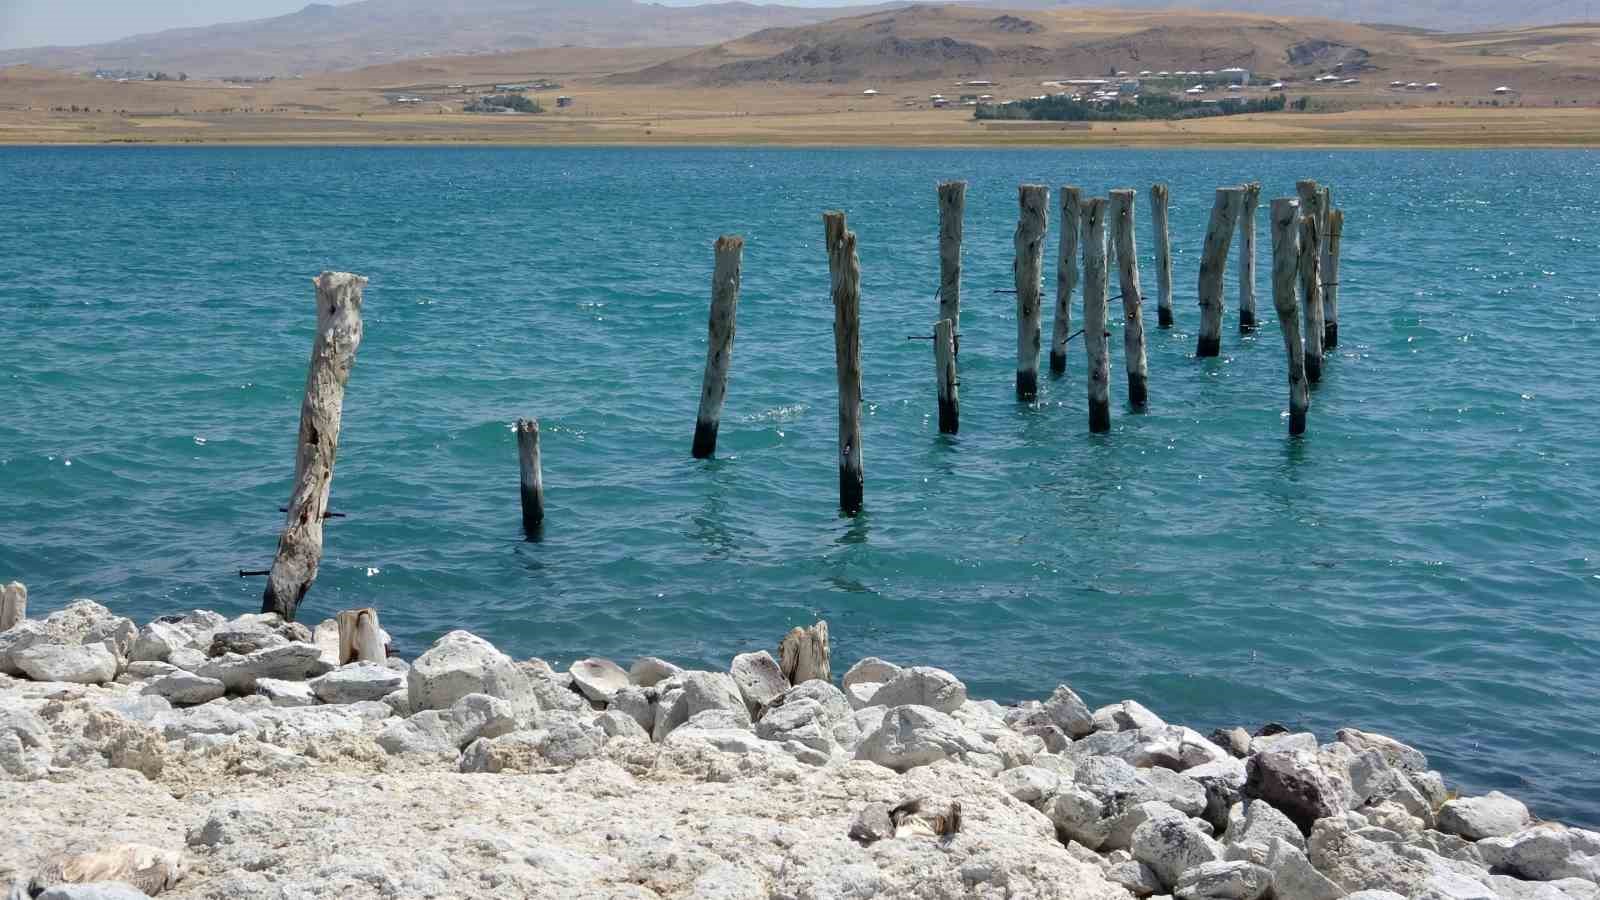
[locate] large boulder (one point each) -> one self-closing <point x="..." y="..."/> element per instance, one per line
<point x="25" y="744"/>
<point x="157" y="641"/>
<point x="598" y="679"/>
<point x="1545" y="853"/>
<point x="922" y="686"/>
<point x="461" y="663"/>
<point x="357" y="682"/>
<point x="1259" y="822"/>
<point x="1357" y="863"/>
<point x="1454" y="886"/>
<point x="186" y="688"/>
<point x="1067" y="711"/>
<point x="1293" y="875"/>
<point x="759" y="679"/>
<point x="1476" y="818"/>
<point x="288" y="661"/>
<point x="871" y="670"/>
<point x="74" y="663"/>
<point x="1170" y="747"/>
<point x="1224" y="880"/>
<point x="1401" y="756"/>
<point x="912" y="736"/>
<point x="1119" y="786"/>
<point x="704" y="691"/>
<point x="1296" y="785"/>
<point x="1171" y="847"/>
<point x="648" y="671"/>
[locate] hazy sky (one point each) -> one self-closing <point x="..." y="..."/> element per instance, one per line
<point x="32" y="23"/>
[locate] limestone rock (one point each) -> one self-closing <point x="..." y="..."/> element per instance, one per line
<point x="1401" y="756"/>
<point x="13" y="604"/>
<point x="1030" y="784"/>
<point x="1476" y="818"/>
<point x="1138" y="878"/>
<point x="1450" y="886"/>
<point x="1356" y="863"/>
<point x="1118" y="785"/>
<point x="72" y="663"/>
<point x="598" y="679"/>
<point x="647" y="671"/>
<point x="1295" y="785"/>
<point x="1080" y="816"/>
<point x="289" y="661"/>
<point x="356" y="682"/>
<point x="186" y="688"/>
<point x="923" y="686"/>
<point x="1172" y="747"/>
<point x="1171" y="847"/>
<point x="1067" y="711"/>
<point x="872" y="824"/>
<point x="1129" y="715"/>
<point x="1546" y="853"/>
<point x="25" y="745"/>
<point x="1119" y="827"/>
<point x="286" y="694"/>
<point x="861" y="693"/>
<point x="99" y="890"/>
<point x="871" y="670"/>
<point x="1234" y="740"/>
<point x="759" y="679"/>
<point x="552" y="689"/>
<point x="621" y="725"/>
<point x="912" y="736"/>
<point x="1260" y="822"/>
<point x="461" y="663"/>
<point x="1223" y="880"/>
<point x="1293" y="876"/>
<point x="636" y="703"/>
<point x="803" y="654"/>
<point x="25" y="634"/>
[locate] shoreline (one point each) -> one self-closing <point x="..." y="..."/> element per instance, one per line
<point x="256" y="758"/>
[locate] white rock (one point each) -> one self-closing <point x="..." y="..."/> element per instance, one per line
<point x="1294" y="876"/>
<point x="289" y="661"/>
<point x="156" y="641"/>
<point x="1450" y="886"/>
<point x="186" y="688"/>
<point x="1129" y="715"/>
<point x="1356" y="863"/>
<point x="1401" y="756"/>
<point x="1138" y="878"/>
<point x="1476" y="818"/>
<point x="1030" y="784"/>
<point x="72" y="663"/>
<point x="1067" y="711"/>
<point x="25" y="744"/>
<point x="1292" y="742"/>
<point x="1119" y="827"/>
<point x="1080" y="816"/>
<point x="912" y="736"/>
<point x="399" y="702"/>
<point x="759" y="679"/>
<point x="187" y="659"/>
<point x="207" y="719"/>
<point x="861" y="693"/>
<point x="713" y="690"/>
<point x="1546" y="853"/>
<point x="1118" y="784"/>
<point x="357" y="682"/>
<point x="1258" y="822"/>
<point x="98" y="890"/>
<point x="286" y="693"/>
<point x="1223" y="880"/>
<point x="636" y="703"/>
<point x="1374" y="895"/>
<point x="598" y="679"/>
<point x="923" y="686"/>
<point x="461" y="663"/>
<point x="1172" y="846"/>
<point x="870" y="670"/>
<point x="621" y="725"/>
<point x="146" y="671"/>
<point x="648" y="671"/>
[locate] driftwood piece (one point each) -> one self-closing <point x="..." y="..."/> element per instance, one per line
<point x="1285" y="265"/>
<point x="1093" y="222"/>
<point x="1066" y="278"/>
<point x="1158" y="223"/>
<point x="333" y="353"/>
<point x="360" y="637"/>
<point x="1033" y="202"/>
<point x="952" y="207"/>
<point x="844" y="268"/>
<point x="1133" y="350"/>
<point x="13" y="604"/>
<point x="803" y="654"/>
<point x="729" y="252"/>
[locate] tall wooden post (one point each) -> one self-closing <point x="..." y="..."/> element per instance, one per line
<point x="944" y="366"/>
<point x="333" y="353"/>
<point x="360" y="637"/>
<point x="1066" y="278"/>
<point x="1213" y="262"/>
<point x="729" y="252"/>
<point x="845" y="271"/>
<point x="1158" y="222"/>
<point x="1330" y="337"/>
<point x="1122" y="207"/>
<point x="1033" y="201"/>
<point x="1285" y="263"/>
<point x="952" y="206"/>
<point x="1094" y="314"/>
<point x="532" y="477"/>
<point x="1311" y="288"/>
<point x="1247" y="257"/>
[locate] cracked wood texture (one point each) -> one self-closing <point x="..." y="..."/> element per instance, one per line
<point x="952" y="206"/>
<point x="1033" y="202"/>
<point x="1093" y="221"/>
<point x="1285" y="265"/>
<point x="1158" y="223"/>
<point x="1066" y="278"/>
<point x="1123" y="203"/>
<point x="1311" y="290"/>
<point x="944" y="366"/>
<point x="333" y="353"/>
<point x="844" y="269"/>
<point x="1247" y="257"/>
<point x="729" y="252"/>
<point x="1213" y="263"/>
<point x="1330" y="273"/>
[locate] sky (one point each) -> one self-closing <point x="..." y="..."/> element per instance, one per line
<point x="34" y="23"/>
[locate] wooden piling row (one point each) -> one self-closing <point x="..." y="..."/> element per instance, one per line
<point x="952" y="207"/>
<point x="1247" y="257"/>
<point x="1033" y="201"/>
<point x="1158" y="223"/>
<point x="729" y="252"/>
<point x="1285" y="265"/>
<point x="1066" y="278"/>
<point x="1213" y="262"/>
<point x="844" y="269"/>
<point x="944" y="366"/>
<point x="333" y="353"/>
<point x="1122" y="207"/>
<point x="531" y="470"/>
<point x="1098" y="379"/>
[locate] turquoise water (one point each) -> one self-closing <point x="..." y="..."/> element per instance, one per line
<point x="1422" y="563"/>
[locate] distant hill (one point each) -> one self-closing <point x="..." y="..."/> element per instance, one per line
<point x="1438" y="15"/>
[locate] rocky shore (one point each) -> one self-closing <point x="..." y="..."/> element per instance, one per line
<point x="200" y="756"/>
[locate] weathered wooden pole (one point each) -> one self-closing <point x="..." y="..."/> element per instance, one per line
<point x="1247" y="257"/>
<point x="333" y="353"/>
<point x="13" y="604"/>
<point x="360" y="637"/>
<point x="532" y="477"/>
<point x="1094" y="314"/>
<point x="1330" y="300"/>
<point x="1122" y="207"/>
<point x="729" y="251"/>
<point x="944" y="366"/>
<point x="1311" y="195"/>
<point x="952" y="206"/>
<point x="1285" y="263"/>
<point x="845" y="271"/>
<point x="1311" y="289"/>
<point x="1158" y="222"/>
<point x="1213" y="262"/>
<point x="804" y="654"/>
<point x="1066" y="278"/>
<point x="1033" y="201"/>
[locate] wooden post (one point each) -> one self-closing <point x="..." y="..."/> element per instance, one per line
<point x="719" y="346"/>
<point x="1213" y="262"/>
<point x="333" y="353"/>
<point x="1330" y="337"/>
<point x="1247" y="257"/>
<point x="532" y="472"/>
<point x="1033" y="201"/>
<point x="1066" y="278"/>
<point x="845" y="271"/>
<point x="1122" y="214"/>
<point x="1311" y="289"/>
<point x="13" y="604"/>
<point x="804" y="654"/>
<point x="1158" y="222"/>
<point x="1285" y="263"/>
<point x="1094" y="314"/>
<point x="360" y="637"/>
<point x="952" y="206"/>
<point x="944" y="365"/>
<point x="1311" y="195"/>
